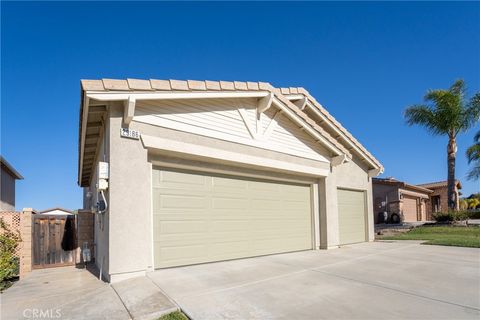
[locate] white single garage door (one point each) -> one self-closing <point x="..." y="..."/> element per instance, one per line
<point x="351" y="216"/>
<point x="201" y="217"/>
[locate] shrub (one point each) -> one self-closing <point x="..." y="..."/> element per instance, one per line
<point x="9" y="262"/>
<point x="473" y="214"/>
<point x="450" y="216"/>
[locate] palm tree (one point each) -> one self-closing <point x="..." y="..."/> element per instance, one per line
<point x="473" y="155"/>
<point x="447" y="113"/>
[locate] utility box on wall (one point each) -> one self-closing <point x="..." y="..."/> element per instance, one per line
<point x="102" y="175"/>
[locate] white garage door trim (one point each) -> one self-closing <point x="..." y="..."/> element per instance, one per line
<point x="365" y="217"/>
<point x="314" y="206"/>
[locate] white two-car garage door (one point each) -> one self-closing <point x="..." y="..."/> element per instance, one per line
<point x="201" y="217"/>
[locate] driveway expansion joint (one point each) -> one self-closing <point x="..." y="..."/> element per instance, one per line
<point x="394" y="289"/>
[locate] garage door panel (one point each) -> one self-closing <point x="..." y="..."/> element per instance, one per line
<point x="186" y="253"/>
<point x="229" y="203"/>
<point x="183" y="202"/>
<point x="410" y="208"/>
<point x="275" y="245"/>
<point x="226" y="218"/>
<point x="263" y="186"/>
<point x="295" y="205"/>
<point x="229" y="225"/>
<point x="228" y="185"/>
<point x="169" y="178"/>
<point x="263" y="205"/>
<point x="230" y="249"/>
<point x="179" y="227"/>
<point x="351" y="216"/>
<point x="213" y="236"/>
<point x="294" y="192"/>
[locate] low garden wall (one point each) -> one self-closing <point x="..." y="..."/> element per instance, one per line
<point x="20" y="223"/>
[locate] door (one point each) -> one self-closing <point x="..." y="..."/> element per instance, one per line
<point x="410" y="208"/>
<point x="53" y="240"/>
<point x="200" y="217"/>
<point x="351" y="216"/>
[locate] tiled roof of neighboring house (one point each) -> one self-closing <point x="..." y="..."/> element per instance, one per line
<point x="10" y="168"/>
<point x="154" y="85"/>
<point x="439" y="184"/>
<point x="393" y="181"/>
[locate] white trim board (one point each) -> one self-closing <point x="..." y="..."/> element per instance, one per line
<point x="119" y="96"/>
<point x="157" y="143"/>
<point x="308" y="153"/>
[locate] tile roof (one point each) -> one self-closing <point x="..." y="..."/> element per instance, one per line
<point x="439" y="184"/>
<point x="171" y="85"/>
<point x="393" y="181"/>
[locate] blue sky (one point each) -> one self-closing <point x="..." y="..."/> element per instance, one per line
<point x="365" y="62"/>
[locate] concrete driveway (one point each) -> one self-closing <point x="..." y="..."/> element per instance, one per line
<point x="76" y="294"/>
<point x="381" y="280"/>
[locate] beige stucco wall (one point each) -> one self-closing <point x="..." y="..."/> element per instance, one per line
<point x="7" y="191"/>
<point x="126" y="240"/>
<point x="130" y="202"/>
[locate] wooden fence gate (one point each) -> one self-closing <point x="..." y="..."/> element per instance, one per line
<point x="54" y="240"/>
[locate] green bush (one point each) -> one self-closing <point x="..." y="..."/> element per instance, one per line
<point x="9" y="262"/>
<point x="473" y="214"/>
<point x="450" y="216"/>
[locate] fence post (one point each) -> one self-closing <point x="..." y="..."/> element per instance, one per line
<point x="26" y="244"/>
<point x="85" y="232"/>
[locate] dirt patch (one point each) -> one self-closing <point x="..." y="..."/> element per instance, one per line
<point x="390" y="232"/>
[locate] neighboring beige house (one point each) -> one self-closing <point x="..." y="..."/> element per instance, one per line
<point x="439" y="198"/>
<point x="403" y="202"/>
<point x="186" y="172"/>
<point x="8" y="176"/>
<point x="56" y="211"/>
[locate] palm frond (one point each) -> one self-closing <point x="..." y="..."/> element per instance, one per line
<point x="435" y="96"/>
<point x="474" y="173"/>
<point x="423" y="115"/>
<point x="471" y="114"/>
<point x="446" y="112"/>
<point x="447" y="108"/>
<point x="458" y="88"/>
<point x="473" y="153"/>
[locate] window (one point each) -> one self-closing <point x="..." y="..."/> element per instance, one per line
<point x="435" y="203"/>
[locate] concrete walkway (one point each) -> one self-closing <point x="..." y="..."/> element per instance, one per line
<point x="70" y="293"/>
<point x="381" y="280"/>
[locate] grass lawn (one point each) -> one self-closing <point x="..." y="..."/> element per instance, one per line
<point x="443" y="236"/>
<point x="177" y="315"/>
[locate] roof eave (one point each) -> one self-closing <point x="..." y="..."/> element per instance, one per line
<point x="347" y="136"/>
<point x="11" y="169"/>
